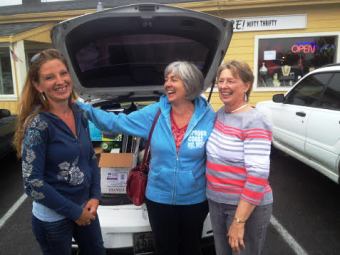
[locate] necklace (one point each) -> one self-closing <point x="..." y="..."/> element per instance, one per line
<point x="241" y="107"/>
<point x="285" y="70"/>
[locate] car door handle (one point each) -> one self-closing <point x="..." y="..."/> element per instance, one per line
<point x="301" y="114"/>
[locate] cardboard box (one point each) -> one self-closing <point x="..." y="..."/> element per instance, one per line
<point x="114" y="169"/>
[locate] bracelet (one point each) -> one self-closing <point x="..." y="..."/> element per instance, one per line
<point x="238" y="220"/>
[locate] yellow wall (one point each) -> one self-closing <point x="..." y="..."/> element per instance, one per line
<point x="319" y="19"/>
<point x="12" y="106"/>
<point x="242" y="46"/>
<point x="41" y="35"/>
<point x="215" y="101"/>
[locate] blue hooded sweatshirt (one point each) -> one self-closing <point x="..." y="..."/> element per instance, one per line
<point x="59" y="169"/>
<point x="175" y="177"/>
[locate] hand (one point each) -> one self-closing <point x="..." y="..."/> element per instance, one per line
<point x="236" y="234"/>
<point x="85" y="218"/>
<point x="92" y="206"/>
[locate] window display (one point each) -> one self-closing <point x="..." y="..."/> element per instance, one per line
<point x="6" y="82"/>
<point x="283" y="61"/>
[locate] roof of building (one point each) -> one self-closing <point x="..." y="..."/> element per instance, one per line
<point x="12" y="29"/>
<point x="76" y="5"/>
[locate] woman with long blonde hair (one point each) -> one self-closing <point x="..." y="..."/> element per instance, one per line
<point x="31" y="101"/>
<point x="59" y="167"/>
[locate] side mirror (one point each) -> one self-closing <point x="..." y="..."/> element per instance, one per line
<point x="278" y="98"/>
<point x="4" y="113"/>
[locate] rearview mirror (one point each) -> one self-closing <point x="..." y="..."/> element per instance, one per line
<point x="278" y="98"/>
<point x="4" y="113"/>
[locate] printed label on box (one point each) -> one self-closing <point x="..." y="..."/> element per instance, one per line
<point x="113" y="180"/>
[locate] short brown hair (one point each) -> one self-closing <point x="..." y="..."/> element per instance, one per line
<point x="238" y="69"/>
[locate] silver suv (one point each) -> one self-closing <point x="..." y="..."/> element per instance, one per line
<point x="306" y="120"/>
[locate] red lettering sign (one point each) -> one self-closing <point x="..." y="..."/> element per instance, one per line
<point x="305" y="48"/>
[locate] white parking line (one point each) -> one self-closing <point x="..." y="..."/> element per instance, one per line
<point x="287" y="237"/>
<point x="12" y="210"/>
<point x="278" y="227"/>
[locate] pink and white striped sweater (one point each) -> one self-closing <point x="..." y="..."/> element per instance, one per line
<point x="238" y="158"/>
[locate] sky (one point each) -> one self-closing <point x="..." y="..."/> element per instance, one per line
<point x="9" y="2"/>
<point x="16" y="2"/>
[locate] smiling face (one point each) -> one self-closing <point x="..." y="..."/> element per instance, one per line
<point x="231" y="89"/>
<point x="54" y="81"/>
<point x="174" y="88"/>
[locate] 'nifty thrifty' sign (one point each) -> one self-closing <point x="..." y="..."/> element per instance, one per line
<point x="297" y="21"/>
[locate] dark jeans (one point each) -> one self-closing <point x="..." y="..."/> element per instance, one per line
<point x="177" y="229"/>
<point x="55" y="238"/>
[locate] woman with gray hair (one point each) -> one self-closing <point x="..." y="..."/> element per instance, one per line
<point x="175" y="194"/>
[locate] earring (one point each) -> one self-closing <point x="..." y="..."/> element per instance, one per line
<point x="245" y="97"/>
<point x="43" y="97"/>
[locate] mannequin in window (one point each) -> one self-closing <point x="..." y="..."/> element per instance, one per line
<point x="276" y="82"/>
<point x="263" y="74"/>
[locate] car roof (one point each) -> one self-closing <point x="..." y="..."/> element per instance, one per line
<point x="122" y="52"/>
<point x="327" y="68"/>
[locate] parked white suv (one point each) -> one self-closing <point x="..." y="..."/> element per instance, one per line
<point x="306" y="120"/>
<point x="119" y="55"/>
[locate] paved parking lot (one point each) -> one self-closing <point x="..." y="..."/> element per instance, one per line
<point x="305" y="217"/>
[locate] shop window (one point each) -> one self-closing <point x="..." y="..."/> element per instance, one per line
<point x="6" y="82"/>
<point x="283" y="61"/>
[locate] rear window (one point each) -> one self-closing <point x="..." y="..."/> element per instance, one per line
<point x="115" y="54"/>
<point x="134" y="60"/>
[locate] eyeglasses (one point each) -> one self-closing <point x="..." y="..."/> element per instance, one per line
<point x="228" y="82"/>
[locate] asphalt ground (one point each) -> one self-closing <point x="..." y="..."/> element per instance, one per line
<point x="306" y="213"/>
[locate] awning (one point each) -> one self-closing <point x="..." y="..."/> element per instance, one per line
<point x="31" y="31"/>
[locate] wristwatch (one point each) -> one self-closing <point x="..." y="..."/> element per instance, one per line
<point x="238" y="220"/>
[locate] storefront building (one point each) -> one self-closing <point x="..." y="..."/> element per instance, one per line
<point x="281" y="40"/>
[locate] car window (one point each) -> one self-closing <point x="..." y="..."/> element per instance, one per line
<point x="309" y="90"/>
<point x="331" y="97"/>
<point x="134" y="60"/>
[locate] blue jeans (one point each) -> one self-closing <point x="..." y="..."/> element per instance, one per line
<point x="55" y="238"/>
<point x="222" y="215"/>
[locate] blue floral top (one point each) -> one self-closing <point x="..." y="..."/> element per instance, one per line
<point x="60" y="169"/>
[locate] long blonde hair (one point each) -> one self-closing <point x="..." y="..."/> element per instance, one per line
<point x="31" y="101"/>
